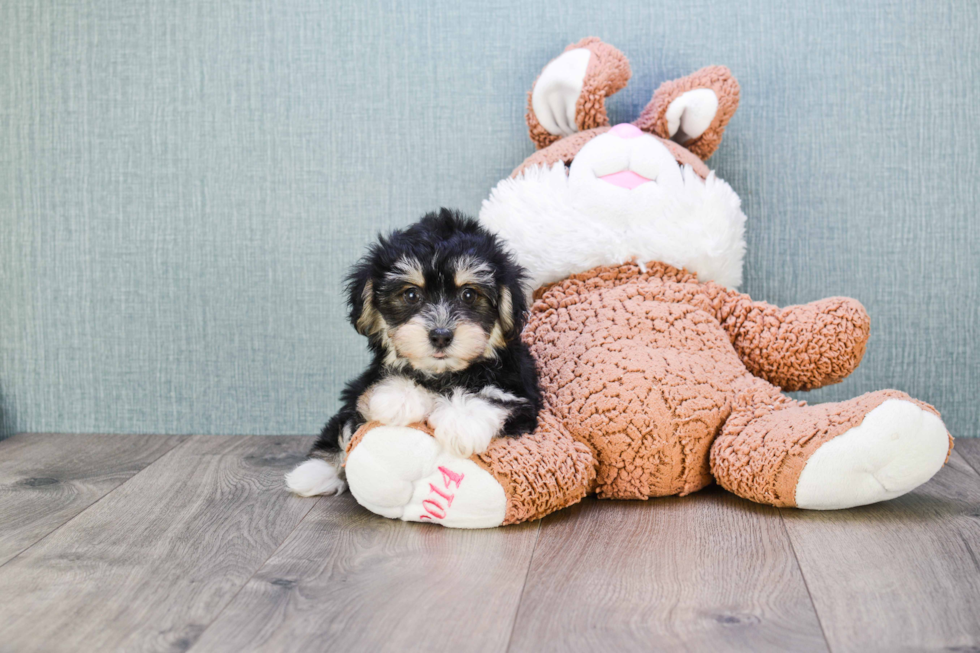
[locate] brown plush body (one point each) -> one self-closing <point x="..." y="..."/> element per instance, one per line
<point x="656" y="374"/>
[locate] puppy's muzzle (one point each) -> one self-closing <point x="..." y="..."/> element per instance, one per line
<point x="441" y="337"/>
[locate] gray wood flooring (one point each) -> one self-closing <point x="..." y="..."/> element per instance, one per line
<point x="163" y="543"/>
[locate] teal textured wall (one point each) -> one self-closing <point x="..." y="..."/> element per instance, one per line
<point x="182" y="184"/>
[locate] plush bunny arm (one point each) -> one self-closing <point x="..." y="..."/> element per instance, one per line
<point x="797" y="347"/>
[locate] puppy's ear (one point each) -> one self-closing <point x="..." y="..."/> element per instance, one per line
<point x="512" y="307"/>
<point x="364" y="314"/>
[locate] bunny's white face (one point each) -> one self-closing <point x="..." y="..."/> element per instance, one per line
<point x="623" y="197"/>
<point x="627" y="158"/>
<point x="593" y="196"/>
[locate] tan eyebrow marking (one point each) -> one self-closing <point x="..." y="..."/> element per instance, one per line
<point x="471" y="270"/>
<point x="407" y="270"/>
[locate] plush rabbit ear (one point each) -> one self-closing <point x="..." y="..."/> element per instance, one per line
<point x="693" y="110"/>
<point x="570" y="94"/>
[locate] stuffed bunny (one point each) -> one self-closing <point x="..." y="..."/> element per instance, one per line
<point x="658" y="377"/>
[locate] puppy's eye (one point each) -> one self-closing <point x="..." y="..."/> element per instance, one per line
<point x="468" y="295"/>
<point x="412" y="296"/>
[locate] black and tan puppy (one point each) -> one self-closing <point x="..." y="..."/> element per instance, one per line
<point x="442" y="306"/>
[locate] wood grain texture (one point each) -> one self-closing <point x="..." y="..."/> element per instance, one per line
<point x="969" y="449"/>
<point x="899" y="575"/>
<point x="707" y="572"/>
<point x="347" y="580"/>
<point x="153" y="563"/>
<point x="204" y="550"/>
<point x="47" y="479"/>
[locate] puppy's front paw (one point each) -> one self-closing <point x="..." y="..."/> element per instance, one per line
<point x="464" y="424"/>
<point x="314" y="477"/>
<point x="398" y="402"/>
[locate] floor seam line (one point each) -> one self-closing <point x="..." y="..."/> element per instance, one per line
<point x="257" y="570"/>
<point x="96" y="502"/>
<point x="806" y="585"/>
<point x="520" y="599"/>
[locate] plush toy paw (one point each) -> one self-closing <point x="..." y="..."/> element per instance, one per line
<point x="897" y="447"/>
<point x="403" y="473"/>
<point x="398" y="401"/>
<point x="464" y="424"/>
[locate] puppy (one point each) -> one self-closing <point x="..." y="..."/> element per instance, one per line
<point x="443" y="307"/>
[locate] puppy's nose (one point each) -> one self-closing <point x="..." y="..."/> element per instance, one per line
<point x="440" y="338"/>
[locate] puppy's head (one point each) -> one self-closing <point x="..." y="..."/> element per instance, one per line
<point x="438" y="295"/>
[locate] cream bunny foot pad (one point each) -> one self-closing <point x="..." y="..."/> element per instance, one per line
<point x="896" y="448"/>
<point x="403" y="473"/>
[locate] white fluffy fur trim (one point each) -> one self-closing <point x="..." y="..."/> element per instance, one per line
<point x="557" y="228"/>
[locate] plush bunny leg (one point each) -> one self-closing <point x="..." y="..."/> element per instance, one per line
<point x="404" y="473"/>
<point x="540" y="472"/>
<point x="839" y="455"/>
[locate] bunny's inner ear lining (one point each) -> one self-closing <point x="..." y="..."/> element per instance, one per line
<point x="557" y="90"/>
<point x="691" y="114"/>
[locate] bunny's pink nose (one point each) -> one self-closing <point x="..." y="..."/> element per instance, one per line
<point x="626" y="130"/>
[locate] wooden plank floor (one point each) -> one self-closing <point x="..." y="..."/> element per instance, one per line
<point x="152" y="543"/>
